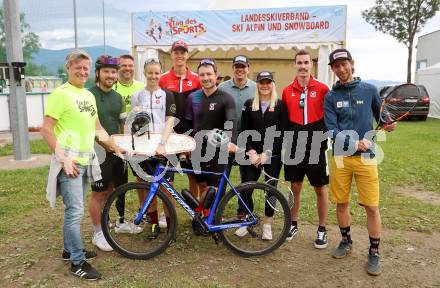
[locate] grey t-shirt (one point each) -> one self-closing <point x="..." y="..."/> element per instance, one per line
<point x="239" y="95"/>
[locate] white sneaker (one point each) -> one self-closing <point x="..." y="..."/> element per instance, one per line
<point x="99" y="241"/>
<point x="241" y="232"/>
<point x="267" y="232"/>
<point x="126" y="227"/>
<point x="162" y="221"/>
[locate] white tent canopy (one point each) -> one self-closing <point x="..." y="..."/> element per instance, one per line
<point x="430" y="78"/>
<point x="324" y="73"/>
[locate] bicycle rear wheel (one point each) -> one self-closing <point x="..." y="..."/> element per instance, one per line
<point x="141" y="241"/>
<point x="268" y="206"/>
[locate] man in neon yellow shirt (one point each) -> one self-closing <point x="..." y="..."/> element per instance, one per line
<point x="126" y="85"/>
<point x="69" y="128"/>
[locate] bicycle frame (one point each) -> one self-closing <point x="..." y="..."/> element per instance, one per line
<point x="159" y="170"/>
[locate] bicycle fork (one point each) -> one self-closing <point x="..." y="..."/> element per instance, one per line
<point x="153" y="190"/>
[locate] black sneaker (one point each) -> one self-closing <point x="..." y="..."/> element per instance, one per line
<point x="85" y="270"/>
<point x="343" y="249"/>
<point x="321" y="240"/>
<point x="88" y="254"/>
<point x="292" y="232"/>
<point x="154" y="231"/>
<point x="373" y="264"/>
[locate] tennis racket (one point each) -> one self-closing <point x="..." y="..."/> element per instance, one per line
<point x="398" y="104"/>
<point x="283" y="187"/>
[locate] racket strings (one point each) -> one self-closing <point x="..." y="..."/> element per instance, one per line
<point x="400" y="102"/>
<point x="271" y="199"/>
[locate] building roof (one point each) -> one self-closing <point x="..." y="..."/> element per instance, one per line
<point x="428" y="34"/>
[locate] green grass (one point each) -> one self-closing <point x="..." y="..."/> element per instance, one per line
<point x="411" y="157"/>
<point x="37" y="147"/>
<point x="21" y="193"/>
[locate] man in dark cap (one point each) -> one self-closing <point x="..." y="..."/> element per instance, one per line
<point x="349" y="110"/>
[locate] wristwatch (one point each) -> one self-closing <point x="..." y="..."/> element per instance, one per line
<point x="163" y="142"/>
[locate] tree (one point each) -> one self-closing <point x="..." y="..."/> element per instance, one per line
<point x="61" y="72"/>
<point x="33" y="69"/>
<point x="31" y="43"/>
<point x="401" y="19"/>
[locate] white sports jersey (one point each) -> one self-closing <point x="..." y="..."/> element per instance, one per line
<point x="158" y="104"/>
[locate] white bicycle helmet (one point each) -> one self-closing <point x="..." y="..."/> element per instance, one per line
<point x="217" y="137"/>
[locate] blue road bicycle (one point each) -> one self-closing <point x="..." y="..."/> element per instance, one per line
<point x="268" y="207"/>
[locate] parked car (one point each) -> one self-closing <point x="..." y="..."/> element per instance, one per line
<point x="406" y="95"/>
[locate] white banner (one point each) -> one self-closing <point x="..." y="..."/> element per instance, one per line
<point x="230" y="27"/>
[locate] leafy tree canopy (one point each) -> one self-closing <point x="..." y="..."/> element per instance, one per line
<point x="31" y="45"/>
<point x="401" y="19"/>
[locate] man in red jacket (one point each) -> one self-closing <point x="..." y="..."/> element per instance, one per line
<point x="304" y="99"/>
<point x="181" y="81"/>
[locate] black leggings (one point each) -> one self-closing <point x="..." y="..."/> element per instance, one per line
<point x="251" y="173"/>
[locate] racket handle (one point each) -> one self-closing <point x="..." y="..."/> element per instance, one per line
<point x="183" y="158"/>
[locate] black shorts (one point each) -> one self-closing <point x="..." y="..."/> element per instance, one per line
<point x="317" y="173"/>
<point x="112" y="171"/>
<point x="186" y="165"/>
<point x="149" y="165"/>
<point x="211" y="180"/>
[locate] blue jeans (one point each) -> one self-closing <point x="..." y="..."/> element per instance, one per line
<point x="73" y="191"/>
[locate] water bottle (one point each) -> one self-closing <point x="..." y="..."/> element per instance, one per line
<point x="190" y="199"/>
<point x="209" y="198"/>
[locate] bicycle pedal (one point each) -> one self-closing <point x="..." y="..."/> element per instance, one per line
<point x="215" y="237"/>
<point x="252" y="232"/>
<point x="199" y="227"/>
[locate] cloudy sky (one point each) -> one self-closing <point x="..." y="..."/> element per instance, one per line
<point x="378" y="56"/>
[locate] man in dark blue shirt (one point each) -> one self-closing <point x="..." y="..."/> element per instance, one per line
<point x="349" y="109"/>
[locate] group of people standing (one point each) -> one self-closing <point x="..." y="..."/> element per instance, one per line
<point x="179" y="100"/>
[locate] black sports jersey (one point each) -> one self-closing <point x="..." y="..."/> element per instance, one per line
<point x="215" y="110"/>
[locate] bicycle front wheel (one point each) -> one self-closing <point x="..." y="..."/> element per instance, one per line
<point x="266" y="206"/>
<point x="141" y="241"/>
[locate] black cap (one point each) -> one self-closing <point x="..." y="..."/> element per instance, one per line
<point x="339" y="54"/>
<point x="240" y="59"/>
<point x="264" y="75"/>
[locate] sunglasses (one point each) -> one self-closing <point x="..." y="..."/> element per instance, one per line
<point x="152" y="61"/>
<point x="302" y="99"/>
<point x="207" y="61"/>
<point x="108" y="60"/>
